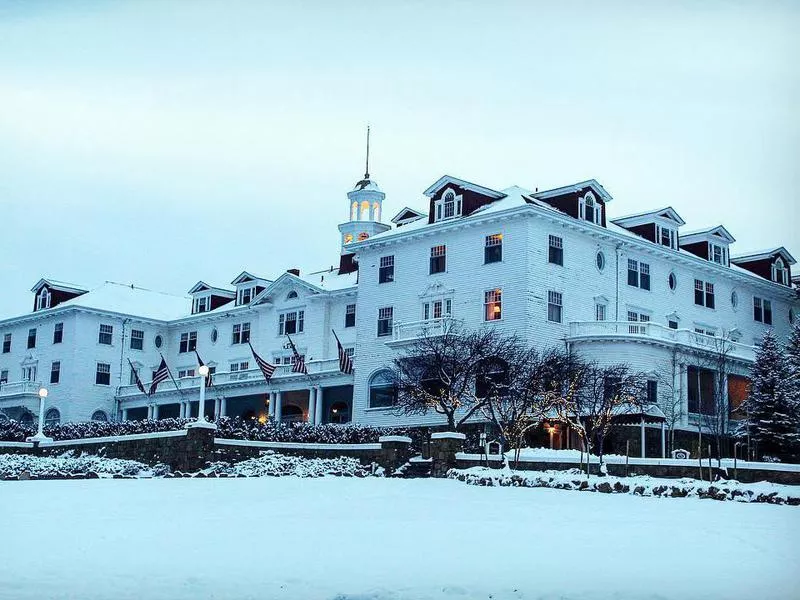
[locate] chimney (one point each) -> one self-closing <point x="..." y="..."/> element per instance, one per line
<point x="295" y="272"/>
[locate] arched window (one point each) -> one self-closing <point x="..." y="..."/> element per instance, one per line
<point x="339" y="413"/>
<point x="354" y="211"/>
<point x="376" y="211"/>
<point x="43" y="300"/>
<point x="492" y="378"/>
<point x="779" y="272"/>
<point x="26" y="418"/>
<point x="291" y="295"/>
<point x="364" y="211"/>
<point x="589" y="209"/>
<point x="99" y="415"/>
<point x="52" y="417"/>
<point x="291" y="413"/>
<point x="382" y="391"/>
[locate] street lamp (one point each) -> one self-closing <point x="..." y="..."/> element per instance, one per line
<point x="40" y="436"/>
<point x="201" y="417"/>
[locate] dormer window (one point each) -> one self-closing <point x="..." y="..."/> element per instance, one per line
<point x="718" y="254"/>
<point x="780" y="273"/>
<point x="590" y="210"/>
<point x="201" y="304"/>
<point x="43" y="299"/>
<point x="667" y="237"/>
<point x="245" y="295"/>
<point x="449" y="206"/>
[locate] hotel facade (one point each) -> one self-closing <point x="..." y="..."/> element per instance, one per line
<point x="555" y="267"/>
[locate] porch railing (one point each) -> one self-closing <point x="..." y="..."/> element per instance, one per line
<point x="19" y="388"/>
<point x="411" y="330"/>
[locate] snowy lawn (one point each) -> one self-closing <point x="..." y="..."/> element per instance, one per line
<point x="368" y="539"/>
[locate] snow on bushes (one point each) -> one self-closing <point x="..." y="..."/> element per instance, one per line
<point x="642" y="485"/>
<point x="72" y="464"/>
<point x="233" y="428"/>
<point x="273" y="464"/>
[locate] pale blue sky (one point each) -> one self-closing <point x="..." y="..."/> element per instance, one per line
<point x="159" y="143"/>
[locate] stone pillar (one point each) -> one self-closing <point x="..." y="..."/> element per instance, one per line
<point x="312" y="405"/>
<point x="444" y="447"/>
<point x="318" y="406"/>
<point x="278" y="407"/>
<point x="395" y="451"/>
<point x="199" y="447"/>
<point x="223" y="407"/>
<point x="155" y="412"/>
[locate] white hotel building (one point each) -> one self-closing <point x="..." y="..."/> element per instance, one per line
<point x="553" y="266"/>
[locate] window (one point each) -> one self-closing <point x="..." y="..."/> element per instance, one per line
<point x="590" y="210"/>
<point x="492" y="378"/>
<point x="55" y="372"/>
<point x="134" y="373"/>
<point x="437" y="309"/>
<point x="700" y="390"/>
<point x="291" y="322"/>
<point x="638" y="274"/>
<point x="3" y="376"/>
<point x="52" y="417"/>
<point x="637" y="317"/>
<point x="6" y="343"/>
<point x="29" y="373"/>
<point x="238" y="369"/>
<point x="158" y="341"/>
<point x="762" y="310"/>
<point x="103" y="374"/>
<point x="245" y="295"/>
<point x="99" y="415"/>
<point x="106" y="332"/>
<point x="291" y="295"/>
<point x="652" y="391"/>
<point x="717" y="254"/>
<point x="780" y="273"/>
<point x="703" y="293"/>
<point x="600" y="261"/>
<point x="32" y="338"/>
<point x="350" y="315"/>
<point x="612" y="387"/>
<point x="448" y="206"/>
<point x="43" y="299"/>
<point x="599" y="312"/>
<point x="382" y="391"/>
<point x="555" y="251"/>
<point x="202" y="304"/>
<point x="241" y="333"/>
<point x="672" y="280"/>
<point x="386" y="269"/>
<point x="188" y="342"/>
<point x="493" y="249"/>
<point x="493" y="305"/>
<point x="58" y="333"/>
<point x="734" y="299"/>
<point x="385" y="321"/>
<point x="665" y="236"/>
<point x="705" y="331"/>
<point x="182" y="373"/>
<point x="214" y="335"/>
<point x="137" y="339"/>
<point x="554" y="307"/>
<point x="438" y="259"/>
<point x="672" y="324"/>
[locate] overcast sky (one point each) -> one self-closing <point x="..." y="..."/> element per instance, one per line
<point x="159" y="143"/>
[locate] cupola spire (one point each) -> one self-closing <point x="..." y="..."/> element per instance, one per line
<point x="366" y="170"/>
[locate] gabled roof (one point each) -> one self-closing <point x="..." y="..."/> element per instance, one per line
<point x="668" y="213"/>
<point x="202" y="286"/>
<point x="764" y="254"/>
<point x="446" y="180"/>
<point x="61" y="286"/>
<point x="244" y="277"/>
<point x="282" y="281"/>
<point x="714" y="233"/>
<point x="407" y="215"/>
<point x="575" y="187"/>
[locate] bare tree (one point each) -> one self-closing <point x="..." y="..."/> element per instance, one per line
<point x="669" y="398"/>
<point x="438" y="372"/>
<point x="714" y="409"/>
<point x="521" y="390"/>
<point x="602" y="395"/>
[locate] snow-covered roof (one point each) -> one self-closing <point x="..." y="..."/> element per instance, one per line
<point x="407" y="215"/>
<point x="244" y="276"/>
<point x="576" y="187"/>
<point x="667" y="212"/>
<point x="763" y="254"/>
<point x="55" y="284"/>
<point x="446" y="180"/>
<point x="331" y="280"/>
<point x="367" y="184"/>
<point x="201" y="286"/>
<point x="706" y="234"/>
<point x="131" y="300"/>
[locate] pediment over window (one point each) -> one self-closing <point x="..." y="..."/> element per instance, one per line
<point x="451" y="198"/>
<point x="406" y="216"/>
<point x="658" y="226"/>
<point x="207" y="297"/>
<point x="436" y="289"/>
<point x="585" y="200"/>
<point x="49" y="293"/>
<point x="711" y="244"/>
<point x="774" y="265"/>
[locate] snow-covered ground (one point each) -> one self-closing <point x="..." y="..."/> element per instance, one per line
<point x="292" y="538"/>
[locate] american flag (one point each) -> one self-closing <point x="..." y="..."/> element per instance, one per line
<point x="209" y="377"/>
<point x="345" y="362"/>
<point x="139" y="383"/>
<point x="266" y="368"/>
<point x="299" y="363"/>
<point x="160" y="375"/>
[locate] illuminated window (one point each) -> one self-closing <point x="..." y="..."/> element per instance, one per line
<point x="348" y="237"/>
<point x="362" y="236"/>
<point x="493" y="250"/>
<point x="493" y="305"/>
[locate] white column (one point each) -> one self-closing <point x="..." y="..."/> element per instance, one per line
<point x="272" y="405"/>
<point x="216" y="408"/>
<point x="223" y="407"/>
<point x="318" y="406"/>
<point x="663" y="441"/>
<point x="642" y="427"/>
<point x="312" y="404"/>
<point x="278" y="407"/>
<point x="155" y="412"/>
<point x="124" y="414"/>
<point x="149" y="412"/>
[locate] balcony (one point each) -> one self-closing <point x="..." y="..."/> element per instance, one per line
<point x="653" y="332"/>
<point x="229" y="379"/>
<point x="412" y="330"/>
<point x="19" y="389"/>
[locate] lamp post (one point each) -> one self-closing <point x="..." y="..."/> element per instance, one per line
<point x="201" y="417"/>
<point x="40" y="436"/>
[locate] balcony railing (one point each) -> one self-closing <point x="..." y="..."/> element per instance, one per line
<point x="19" y="388"/>
<point x="412" y="330"/>
<point x="227" y="378"/>
<point x="654" y="331"/>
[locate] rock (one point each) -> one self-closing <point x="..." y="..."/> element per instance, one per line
<point x="604" y="487"/>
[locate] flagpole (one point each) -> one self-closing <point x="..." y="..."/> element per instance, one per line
<point x="141" y="389"/>
<point x="169" y="372"/>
